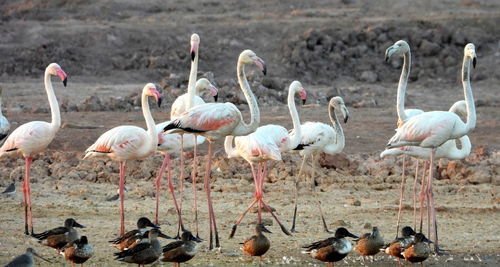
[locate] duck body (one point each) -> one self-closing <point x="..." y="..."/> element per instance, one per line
<point x="418" y="250"/>
<point x="142" y="253"/>
<point x="131" y="238"/>
<point x="258" y="244"/>
<point x="370" y="243"/>
<point x="180" y="251"/>
<point x="396" y="247"/>
<point x="332" y="249"/>
<point x="79" y="251"/>
<point x="59" y="237"/>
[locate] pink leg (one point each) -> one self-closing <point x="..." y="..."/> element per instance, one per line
<point x="422" y="195"/>
<point x="121" y="192"/>
<point x="193" y="180"/>
<point x="417" y="163"/>
<point x="181" y="190"/>
<point x="172" y="191"/>
<point x="432" y="206"/>
<point x="28" y="216"/>
<point x="297" y="194"/>
<point x="401" y="195"/>
<point x="209" y="198"/>
<point x="165" y="163"/>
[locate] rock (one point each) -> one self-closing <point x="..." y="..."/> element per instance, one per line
<point x="428" y="48"/>
<point x="91" y="103"/>
<point x="367" y="226"/>
<point x="336" y="161"/>
<point x="368" y="76"/>
<point x="340" y="223"/>
<point x="356" y="203"/>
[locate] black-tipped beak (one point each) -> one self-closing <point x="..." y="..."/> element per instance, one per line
<point x="352" y="235"/>
<point x="159" y="101"/>
<point x="216" y="97"/>
<point x="162" y="235"/>
<point x="264" y="229"/>
<point x="304" y="101"/>
<point x="65" y="81"/>
<point x="474" y="62"/>
<point x="264" y="70"/>
<point x="346" y="118"/>
<point x="78" y="225"/>
<point x="386" y="58"/>
<point x="193" y="55"/>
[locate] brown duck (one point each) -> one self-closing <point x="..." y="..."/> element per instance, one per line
<point x="130" y="238"/>
<point x="258" y="244"/>
<point x="144" y="253"/>
<point x="332" y="249"/>
<point x="396" y="247"/>
<point x="370" y="243"/>
<point x="58" y="237"/>
<point x="180" y="251"/>
<point x="78" y="251"/>
<point x="418" y="250"/>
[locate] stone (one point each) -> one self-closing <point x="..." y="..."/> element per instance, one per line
<point x="428" y="48"/>
<point x="368" y="76"/>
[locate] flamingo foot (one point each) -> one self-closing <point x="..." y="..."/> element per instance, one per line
<point x="233" y="231"/>
<point x="440" y="252"/>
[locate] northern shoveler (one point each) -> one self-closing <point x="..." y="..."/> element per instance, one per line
<point x="58" y="237"/>
<point x="130" y="238"/>
<point x="180" y="251"/>
<point x="396" y="247"/>
<point x="78" y="251"/>
<point x="370" y="243"/>
<point x="418" y="250"/>
<point x="26" y="259"/>
<point x="143" y="253"/>
<point x="332" y="249"/>
<point x="258" y="244"/>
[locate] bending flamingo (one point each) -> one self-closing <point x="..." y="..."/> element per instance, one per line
<point x="266" y="143"/>
<point x="33" y="137"/>
<point x="4" y="123"/>
<point x="319" y="138"/>
<point x="432" y="129"/>
<point x="218" y="120"/>
<point x="127" y="142"/>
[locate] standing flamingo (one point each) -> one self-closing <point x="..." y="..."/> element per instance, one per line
<point x="127" y="142"/>
<point x="33" y="137"/>
<point x="173" y="143"/>
<point x="319" y="138"/>
<point x="266" y="143"/>
<point x="217" y="120"/>
<point x="4" y="123"/>
<point x="432" y="129"/>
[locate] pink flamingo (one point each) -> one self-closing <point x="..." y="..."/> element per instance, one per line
<point x="217" y="120"/>
<point x="33" y="137"/>
<point x="4" y="123"/>
<point x="266" y="143"/>
<point x="432" y="129"/>
<point x="317" y="138"/>
<point x="127" y="142"/>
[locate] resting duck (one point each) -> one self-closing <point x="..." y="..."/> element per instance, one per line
<point x="396" y="247"/>
<point x="143" y="253"/>
<point x="130" y="238"/>
<point x="370" y="243"/>
<point x="258" y="244"/>
<point x="418" y="250"/>
<point x="58" y="237"/>
<point x="180" y="251"/>
<point x="78" y="251"/>
<point x="332" y="249"/>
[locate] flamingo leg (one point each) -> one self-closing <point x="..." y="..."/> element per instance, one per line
<point x="122" y="196"/>
<point x="193" y="182"/>
<point x="180" y="225"/>
<point x="165" y="163"/>
<point x="304" y="159"/>
<point x="209" y="198"/>
<point x="259" y="192"/>
<point x="422" y="196"/>
<point x="28" y="215"/>
<point x="432" y="206"/>
<point x="401" y="195"/>
<point x="264" y="173"/>
<point x="417" y="163"/>
<point x="314" y="162"/>
<point x="172" y="191"/>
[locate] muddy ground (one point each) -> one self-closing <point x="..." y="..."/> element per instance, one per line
<point x="110" y="49"/>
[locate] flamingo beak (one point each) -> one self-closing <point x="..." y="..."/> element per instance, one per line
<point x="214" y="91"/>
<point x="194" y="48"/>
<point x="261" y="65"/>
<point x="345" y="112"/>
<point x="388" y="53"/>
<point x="62" y="75"/>
<point x="303" y="96"/>
<point x="474" y="60"/>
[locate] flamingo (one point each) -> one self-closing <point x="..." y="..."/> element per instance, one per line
<point x="217" y="120"/>
<point x="34" y="137"/>
<point x="434" y="128"/>
<point x="266" y="143"/>
<point x="173" y="143"/>
<point x="447" y="150"/>
<point x="319" y="138"/>
<point x="4" y="123"/>
<point x="127" y="142"/>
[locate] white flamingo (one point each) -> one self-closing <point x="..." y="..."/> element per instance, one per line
<point x="4" y="123"/>
<point x="266" y="143"/>
<point x="432" y="129"/>
<point x="218" y="120"/>
<point x="317" y="138"/>
<point x="34" y="137"/>
<point x="128" y="142"/>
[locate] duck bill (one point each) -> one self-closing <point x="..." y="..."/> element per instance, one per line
<point x="78" y="225"/>
<point x="35" y="254"/>
<point x="150" y="224"/>
<point x="162" y="235"/>
<point x="264" y="229"/>
<point x="352" y="235"/>
<point x="426" y="240"/>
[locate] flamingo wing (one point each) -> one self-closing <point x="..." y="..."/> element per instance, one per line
<point x="206" y="117"/>
<point x="29" y="138"/>
<point x="122" y="140"/>
<point x="315" y="135"/>
<point x="180" y="105"/>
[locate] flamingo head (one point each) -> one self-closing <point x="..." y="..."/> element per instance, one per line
<point x="195" y="42"/>
<point x="150" y="90"/>
<point x="399" y="47"/>
<point x="296" y="86"/>
<point x="55" y="69"/>
<point x="205" y="84"/>
<point x="470" y="52"/>
<point x="249" y="57"/>
<point x="338" y="102"/>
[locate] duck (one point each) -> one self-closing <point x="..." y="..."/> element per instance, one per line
<point x="418" y="250"/>
<point x="258" y="244"/>
<point x="370" y="244"/>
<point x="143" y="253"/>
<point x="26" y="259"/>
<point x="78" y="251"/>
<point x="58" y="237"/>
<point x="332" y="249"/>
<point x="396" y="247"/>
<point x="180" y="251"/>
<point x="131" y="237"/>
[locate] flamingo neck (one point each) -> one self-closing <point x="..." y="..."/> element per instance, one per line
<point x="464" y="150"/>
<point x="403" y="81"/>
<point x="243" y="128"/>
<point x="150" y="124"/>
<point x="192" y="80"/>
<point x="296" y="138"/>
<point x="469" y="98"/>
<point x="228" y="146"/>
<point x="337" y="127"/>
<point x="54" y="105"/>
<point x="1" y="102"/>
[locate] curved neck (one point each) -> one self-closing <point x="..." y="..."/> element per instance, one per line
<point x="463" y="151"/>
<point x="469" y="99"/>
<point x="337" y="127"/>
<point x="54" y="106"/>
<point x="150" y="123"/>
<point x="403" y="81"/>
<point x="228" y="146"/>
<point x="296" y="138"/>
<point x="192" y="80"/>
<point x="243" y="128"/>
